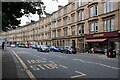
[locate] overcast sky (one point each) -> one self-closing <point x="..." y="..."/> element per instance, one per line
<point x="51" y="6"/>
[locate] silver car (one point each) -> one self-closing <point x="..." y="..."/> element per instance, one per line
<point x="43" y="48"/>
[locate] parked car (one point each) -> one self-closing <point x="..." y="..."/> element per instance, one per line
<point x="69" y="50"/>
<point x="26" y="46"/>
<point x="55" y="49"/>
<point x="21" y="45"/>
<point x="97" y="50"/>
<point x="34" y="46"/>
<point x="43" y="48"/>
<point x="13" y="45"/>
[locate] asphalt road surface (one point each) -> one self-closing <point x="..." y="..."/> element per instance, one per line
<point x="59" y="65"/>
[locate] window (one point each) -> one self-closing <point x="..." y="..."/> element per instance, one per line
<point x="73" y="30"/>
<point x="65" y="21"/>
<point x="80" y="29"/>
<point x="80" y="15"/>
<point x="105" y="25"/>
<point x="105" y="10"/>
<point x="80" y="3"/>
<point x="73" y="6"/>
<point x="94" y="27"/>
<point x="67" y="42"/>
<point x="112" y="24"/>
<point x="73" y="18"/>
<point x="65" y="31"/>
<point x="59" y="13"/>
<point x="96" y="10"/>
<point x="54" y="34"/>
<point x="108" y="25"/>
<point x="65" y="10"/>
<point x="93" y="10"/>
<point x="108" y="6"/>
<point x="59" y="33"/>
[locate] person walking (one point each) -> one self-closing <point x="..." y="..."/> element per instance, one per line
<point x="3" y="45"/>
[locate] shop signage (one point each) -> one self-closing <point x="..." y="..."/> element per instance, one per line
<point x="98" y="35"/>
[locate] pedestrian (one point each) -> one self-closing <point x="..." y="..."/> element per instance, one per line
<point x="3" y="44"/>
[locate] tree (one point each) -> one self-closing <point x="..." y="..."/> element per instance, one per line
<point x="13" y="10"/>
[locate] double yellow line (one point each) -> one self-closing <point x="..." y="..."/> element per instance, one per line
<point x="29" y="73"/>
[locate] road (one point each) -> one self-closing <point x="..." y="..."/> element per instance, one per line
<point x="59" y="65"/>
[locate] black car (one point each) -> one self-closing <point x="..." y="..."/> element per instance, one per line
<point x="43" y="48"/>
<point x="69" y="50"/>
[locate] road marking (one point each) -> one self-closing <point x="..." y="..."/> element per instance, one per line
<point x="25" y="67"/>
<point x="63" y="66"/>
<point x="52" y="62"/>
<point x="59" y="56"/>
<point x="29" y="61"/>
<point x="80" y="74"/>
<point x="34" y="68"/>
<point x="33" y="61"/>
<point x="48" y="66"/>
<point x="95" y="63"/>
<point x="41" y="67"/>
<point x="44" y="59"/>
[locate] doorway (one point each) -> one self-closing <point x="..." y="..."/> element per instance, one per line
<point x="73" y="43"/>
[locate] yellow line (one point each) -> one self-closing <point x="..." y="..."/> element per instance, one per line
<point x="63" y="66"/>
<point x="25" y="67"/>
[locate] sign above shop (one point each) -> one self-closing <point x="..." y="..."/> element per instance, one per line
<point x="98" y="35"/>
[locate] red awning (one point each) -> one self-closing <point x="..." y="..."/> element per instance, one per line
<point x="95" y="40"/>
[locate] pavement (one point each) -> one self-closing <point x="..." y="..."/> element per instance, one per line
<point x="8" y="65"/>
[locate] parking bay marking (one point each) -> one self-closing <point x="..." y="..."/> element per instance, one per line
<point x="80" y="74"/>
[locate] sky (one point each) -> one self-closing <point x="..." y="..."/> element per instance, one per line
<point x="51" y="6"/>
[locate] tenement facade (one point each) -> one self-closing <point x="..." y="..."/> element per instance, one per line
<point x="79" y="24"/>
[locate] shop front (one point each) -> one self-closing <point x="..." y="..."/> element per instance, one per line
<point x="101" y="42"/>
